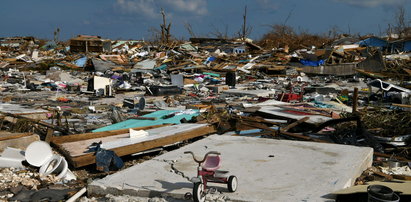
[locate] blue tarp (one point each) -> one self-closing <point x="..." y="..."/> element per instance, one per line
<point x="373" y="42"/>
<point x="312" y="63"/>
<point x="162" y="67"/>
<point x="209" y="60"/>
<point x="81" y="62"/>
<point x="134" y="123"/>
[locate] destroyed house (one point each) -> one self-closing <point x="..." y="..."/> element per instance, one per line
<point x="14" y="42"/>
<point x="85" y="43"/>
<point x="374" y="42"/>
<point x="225" y="45"/>
<point x="402" y="45"/>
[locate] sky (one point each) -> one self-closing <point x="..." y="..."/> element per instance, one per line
<point x="136" y="19"/>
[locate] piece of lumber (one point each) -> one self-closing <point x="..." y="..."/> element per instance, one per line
<point x="294" y="124"/>
<point x="10" y="136"/>
<point x="391" y="156"/>
<point x="402" y="177"/>
<point x="86" y="136"/>
<point x="386" y="176"/>
<point x="89" y="158"/>
<point x="19" y="143"/>
<point x="257" y="119"/>
<point x="401" y="105"/>
<point x="355" y="100"/>
<point x="39" y="122"/>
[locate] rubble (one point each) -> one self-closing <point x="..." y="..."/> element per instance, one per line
<point x="99" y="102"/>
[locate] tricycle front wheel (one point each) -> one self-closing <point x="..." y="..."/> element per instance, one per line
<point x="198" y="192"/>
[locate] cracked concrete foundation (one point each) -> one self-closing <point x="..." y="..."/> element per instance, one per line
<point x="267" y="170"/>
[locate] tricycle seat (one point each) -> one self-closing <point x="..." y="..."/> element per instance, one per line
<point x="212" y="163"/>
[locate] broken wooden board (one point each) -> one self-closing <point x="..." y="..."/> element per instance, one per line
<point x="17" y="140"/>
<point x="404" y="187"/>
<point x="122" y="145"/>
<point x="291" y="114"/>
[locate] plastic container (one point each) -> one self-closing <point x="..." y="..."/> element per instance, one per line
<point x="230" y="79"/>
<point x="164" y="90"/>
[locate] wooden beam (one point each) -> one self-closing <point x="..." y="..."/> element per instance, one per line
<point x="294" y="135"/>
<point x="88" y="159"/>
<point x="257" y="119"/>
<point x="294" y="124"/>
<point x="10" y="136"/>
<point x="86" y="136"/>
<point x="39" y="122"/>
<point x="391" y="156"/>
<point x="401" y="105"/>
<point x="300" y="136"/>
<point x="355" y="100"/>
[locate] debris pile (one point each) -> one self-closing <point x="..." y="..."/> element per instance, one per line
<point x="99" y="102"/>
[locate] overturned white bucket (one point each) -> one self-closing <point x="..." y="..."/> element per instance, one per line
<point x="40" y="154"/>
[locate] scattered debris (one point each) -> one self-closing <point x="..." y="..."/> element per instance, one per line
<point x="102" y="102"/>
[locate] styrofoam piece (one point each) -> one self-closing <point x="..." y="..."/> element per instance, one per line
<point x="14" y="153"/>
<point x="12" y="158"/>
<point x="137" y="133"/>
<point x="10" y="163"/>
<point x="38" y="153"/>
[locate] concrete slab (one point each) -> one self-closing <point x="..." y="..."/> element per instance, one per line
<point x="267" y="170"/>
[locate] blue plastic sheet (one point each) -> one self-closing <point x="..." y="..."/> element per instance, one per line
<point x="81" y="62"/>
<point x="134" y="123"/>
<point x="312" y="63"/>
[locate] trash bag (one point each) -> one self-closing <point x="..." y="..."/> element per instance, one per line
<point x="106" y="160"/>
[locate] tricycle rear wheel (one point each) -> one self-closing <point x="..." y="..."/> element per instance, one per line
<point x="232" y="183"/>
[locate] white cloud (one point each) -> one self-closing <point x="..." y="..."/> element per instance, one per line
<point x="151" y="8"/>
<point x="268" y="4"/>
<point x="372" y="3"/>
<point x="145" y="7"/>
<point x="198" y="7"/>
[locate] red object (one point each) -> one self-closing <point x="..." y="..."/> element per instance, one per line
<point x="287" y="97"/>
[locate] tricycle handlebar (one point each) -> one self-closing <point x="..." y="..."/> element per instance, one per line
<point x="205" y="156"/>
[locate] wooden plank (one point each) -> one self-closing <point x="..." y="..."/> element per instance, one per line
<point x="391" y="156"/>
<point x="49" y="135"/>
<point x="10" y="136"/>
<point x="86" y="136"/>
<point x="401" y="105"/>
<point x="402" y="177"/>
<point x="355" y="100"/>
<point x="20" y="143"/>
<point x="294" y="135"/>
<point x="258" y="120"/>
<point x="300" y="136"/>
<point x="294" y="124"/>
<point x="143" y="146"/>
<point x="39" y="122"/>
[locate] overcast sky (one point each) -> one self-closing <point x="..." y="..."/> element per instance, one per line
<point x="132" y="19"/>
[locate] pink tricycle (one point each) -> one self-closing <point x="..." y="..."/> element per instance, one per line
<point x="207" y="171"/>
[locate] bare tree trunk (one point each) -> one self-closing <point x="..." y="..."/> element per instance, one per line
<point x="243" y="35"/>
<point x="165" y="29"/>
